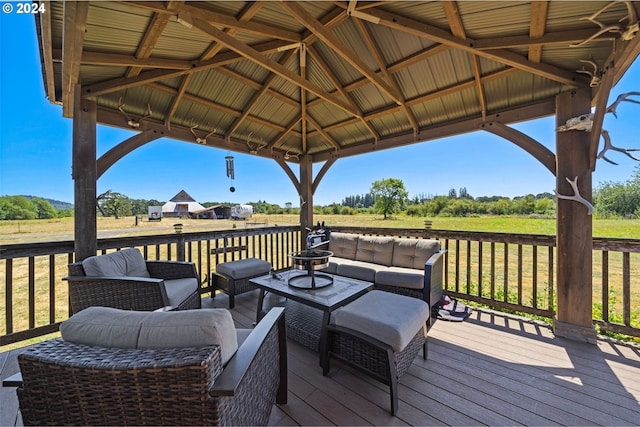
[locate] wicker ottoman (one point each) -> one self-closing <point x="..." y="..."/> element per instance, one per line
<point x="379" y="334"/>
<point x="233" y="277"/>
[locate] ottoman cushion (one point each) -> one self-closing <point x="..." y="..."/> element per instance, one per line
<point x="390" y="318"/>
<point x="243" y="268"/>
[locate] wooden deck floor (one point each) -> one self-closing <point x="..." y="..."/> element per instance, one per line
<point x="491" y="369"/>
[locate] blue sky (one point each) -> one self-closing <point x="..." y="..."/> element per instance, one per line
<point x="35" y="151"/>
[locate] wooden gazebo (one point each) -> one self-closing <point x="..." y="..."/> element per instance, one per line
<point x="307" y="83"/>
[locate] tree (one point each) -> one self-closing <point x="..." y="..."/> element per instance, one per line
<point x="44" y="209"/>
<point x="619" y="199"/>
<point x="17" y="207"/>
<point x="115" y="204"/>
<point x="389" y="195"/>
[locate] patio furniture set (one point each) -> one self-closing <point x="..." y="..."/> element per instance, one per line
<point x="126" y="358"/>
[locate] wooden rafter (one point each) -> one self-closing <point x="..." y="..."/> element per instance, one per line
<point x="268" y="63"/>
<point x="557" y="38"/>
<point x="147" y="77"/>
<point x="506" y="57"/>
<point x="457" y="29"/>
<point x="340" y="48"/>
<point x="75" y="20"/>
<point x="257" y="95"/>
<point x="211" y="52"/>
<point x="221" y="19"/>
<point x="539" y="9"/>
<point x="366" y="35"/>
<point x="149" y="40"/>
<point x="320" y="62"/>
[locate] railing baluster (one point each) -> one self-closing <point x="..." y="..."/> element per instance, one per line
<point x="605" y="286"/>
<point x="626" y="289"/>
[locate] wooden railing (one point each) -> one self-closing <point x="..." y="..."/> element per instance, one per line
<point x="504" y="271"/>
<point x="35" y="295"/>
<point x="517" y="271"/>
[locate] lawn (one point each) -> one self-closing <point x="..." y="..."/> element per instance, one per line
<point x="62" y="228"/>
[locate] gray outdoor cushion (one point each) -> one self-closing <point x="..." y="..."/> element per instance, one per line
<point x="343" y="245"/>
<point x="401" y="277"/>
<point x="178" y="290"/>
<point x="243" y="268"/>
<point x="127" y="262"/>
<point x="391" y="318"/>
<point x="378" y="250"/>
<point x="112" y="327"/>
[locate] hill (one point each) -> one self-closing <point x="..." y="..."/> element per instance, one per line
<point x="59" y="205"/>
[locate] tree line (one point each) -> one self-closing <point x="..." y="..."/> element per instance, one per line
<point x="386" y="197"/>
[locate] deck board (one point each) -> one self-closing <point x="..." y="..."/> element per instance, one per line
<point x="491" y="369"/>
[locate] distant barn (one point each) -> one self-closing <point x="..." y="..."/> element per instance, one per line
<point x="182" y="205"/>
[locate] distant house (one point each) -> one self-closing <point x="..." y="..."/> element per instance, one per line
<point x="181" y="205"/>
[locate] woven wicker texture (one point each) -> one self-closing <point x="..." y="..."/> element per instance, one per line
<point x="372" y="359"/>
<point x="72" y="384"/>
<point x="129" y="293"/>
<point x="304" y="324"/>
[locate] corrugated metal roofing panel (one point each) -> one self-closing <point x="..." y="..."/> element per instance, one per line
<point x="479" y="18"/>
<point x="370" y="98"/>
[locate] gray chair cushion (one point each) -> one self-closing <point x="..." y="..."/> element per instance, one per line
<point x="112" y="327"/>
<point x="178" y="290"/>
<point x="127" y="262"/>
<point x="243" y="268"/>
<point x="391" y="318"/>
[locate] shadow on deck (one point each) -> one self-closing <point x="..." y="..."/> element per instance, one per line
<point x="491" y="369"/>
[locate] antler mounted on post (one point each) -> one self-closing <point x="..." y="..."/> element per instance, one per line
<point x="576" y="195"/>
<point x="133" y="122"/>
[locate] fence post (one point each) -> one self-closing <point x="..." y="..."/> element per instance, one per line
<point x="179" y="242"/>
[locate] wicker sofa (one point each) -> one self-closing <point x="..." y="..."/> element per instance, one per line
<point x="155" y="368"/>
<point x="412" y="267"/>
<point x="123" y="279"/>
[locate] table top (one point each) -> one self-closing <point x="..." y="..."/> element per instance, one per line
<point x="342" y="291"/>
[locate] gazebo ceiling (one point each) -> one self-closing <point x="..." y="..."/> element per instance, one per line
<point x="327" y="78"/>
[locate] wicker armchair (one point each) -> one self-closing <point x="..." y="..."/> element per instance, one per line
<point x="74" y="384"/>
<point x="165" y="286"/>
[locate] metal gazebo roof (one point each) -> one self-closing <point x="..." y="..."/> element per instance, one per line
<point x="329" y="79"/>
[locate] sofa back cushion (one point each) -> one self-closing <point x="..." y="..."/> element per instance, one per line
<point x="112" y="327"/>
<point x="413" y="253"/>
<point x="343" y="245"/>
<point x="378" y="250"/>
<point x="127" y="262"/>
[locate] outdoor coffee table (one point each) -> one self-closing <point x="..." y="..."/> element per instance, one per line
<point x="306" y="324"/>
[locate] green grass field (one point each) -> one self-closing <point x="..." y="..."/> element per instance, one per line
<point x="62" y="229"/>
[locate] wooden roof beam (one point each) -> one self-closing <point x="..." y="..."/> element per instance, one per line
<point x="539" y="9"/>
<point x="366" y="35"/>
<point x="212" y="51"/>
<point x="221" y="19"/>
<point x="74" y="24"/>
<point x="457" y="29"/>
<point x="352" y="58"/>
<point x="563" y="38"/>
<point x="147" y="77"/>
<point x="255" y="56"/>
<point x="44" y="22"/>
<point x="430" y="32"/>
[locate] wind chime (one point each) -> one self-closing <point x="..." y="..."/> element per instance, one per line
<point x="230" y="172"/>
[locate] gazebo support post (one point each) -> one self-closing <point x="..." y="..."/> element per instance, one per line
<point x="306" y="197"/>
<point x="84" y="173"/>
<point x="574" y="243"/>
